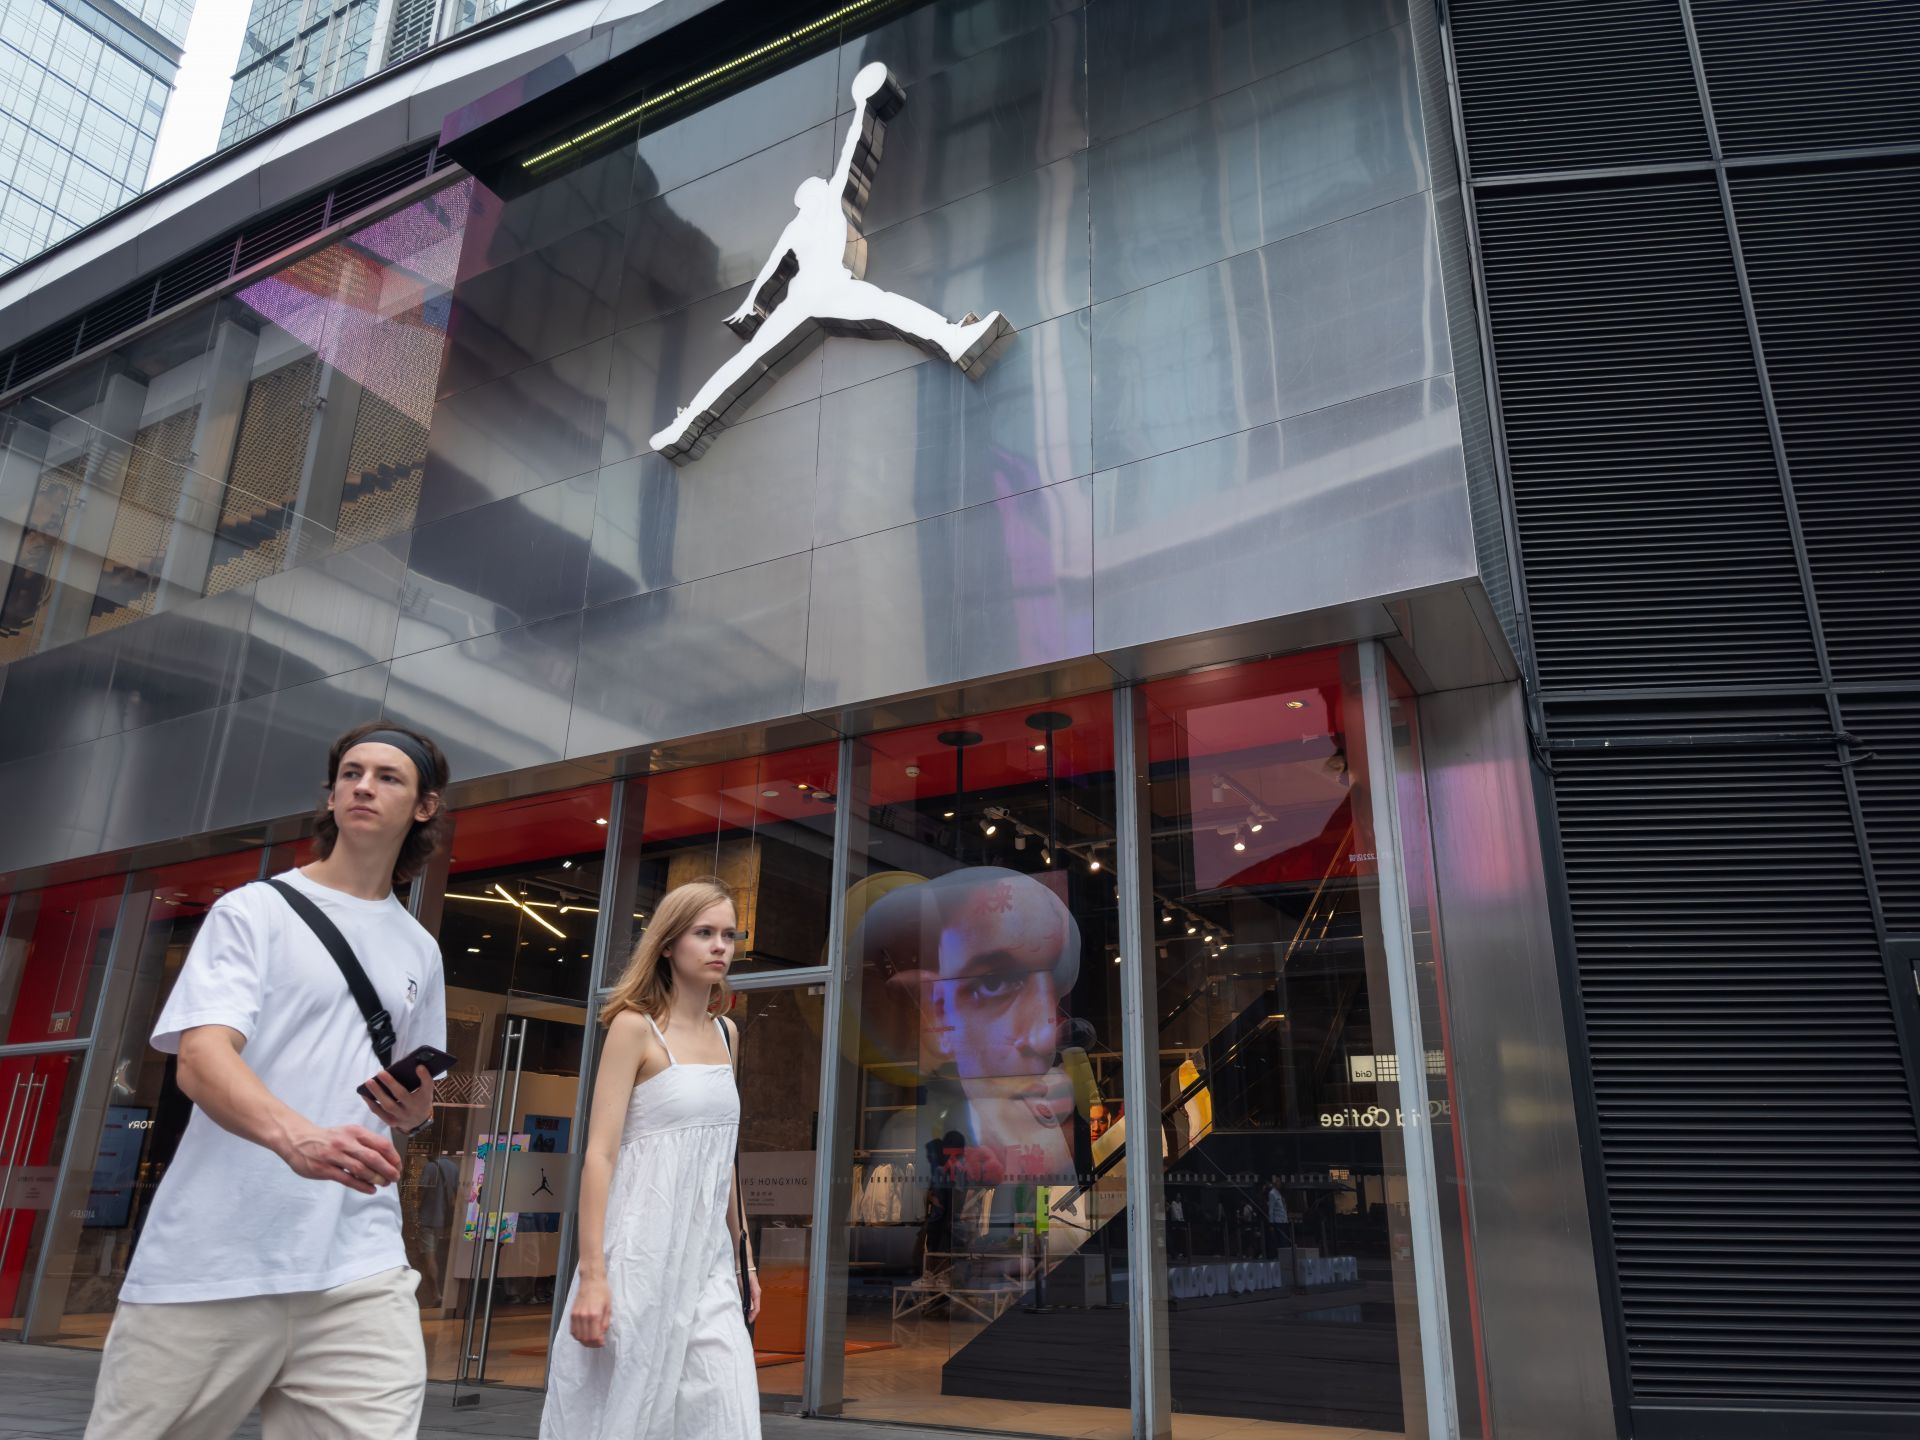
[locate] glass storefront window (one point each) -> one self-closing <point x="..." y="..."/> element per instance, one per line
<point x="1290" y="1284"/>
<point x="765" y="826"/>
<point x="779" y="1130"/>
<point x="36" y="1105"/>
<point x="54" y="959"/>
<point x="986" y="1235"/>
<point x="135" y="1113"/>
<point x="244" y="436"/>
<point x="516" y="920"/>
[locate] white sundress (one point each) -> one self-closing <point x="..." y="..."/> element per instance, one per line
<point x="678" y="1363"/>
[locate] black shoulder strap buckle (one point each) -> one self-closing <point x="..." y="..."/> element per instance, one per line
<point x="379" y="1022"/>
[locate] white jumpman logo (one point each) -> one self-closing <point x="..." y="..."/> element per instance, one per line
<point x="811" y="285"/>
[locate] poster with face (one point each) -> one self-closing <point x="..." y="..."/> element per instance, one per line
<point x="968" y="976"/>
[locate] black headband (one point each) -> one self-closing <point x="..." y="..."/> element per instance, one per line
<point x="407" y="746"/>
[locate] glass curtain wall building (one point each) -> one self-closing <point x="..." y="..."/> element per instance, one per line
<point x="298" y="52"/>
<point x="83" y="85"/>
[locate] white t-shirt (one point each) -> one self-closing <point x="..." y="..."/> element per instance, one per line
<point x="230" y="1219"/>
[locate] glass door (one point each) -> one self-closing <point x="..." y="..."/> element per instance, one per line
<point x="52" y="963"/>
<point x="764" y="825"/>
<point x="484" y="1192"/>
<point x="134" y="1113"/>
<point x="503" y="1254"/>
<point x="36" y="1101"/>
<point x="779" y="1133"/>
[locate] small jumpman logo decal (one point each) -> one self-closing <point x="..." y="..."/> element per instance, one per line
<point x="811" y="286"/>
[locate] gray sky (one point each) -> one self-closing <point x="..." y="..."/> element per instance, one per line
<point x="191" y="128"/>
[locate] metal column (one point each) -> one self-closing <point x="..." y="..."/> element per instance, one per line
<point x="822" y="1389"/>
<point x="1410" y="1049"/>
<point x="603" y="932"/>
<point x="1148" y="1344"/>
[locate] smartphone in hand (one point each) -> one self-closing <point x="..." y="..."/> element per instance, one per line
<point x="405" y="1071"/>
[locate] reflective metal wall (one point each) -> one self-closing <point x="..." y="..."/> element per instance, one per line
<point x="1228" y="408"/>
<point x="1537" y="1285"/>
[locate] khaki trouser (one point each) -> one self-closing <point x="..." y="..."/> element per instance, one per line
<point x="341" y="1364"/>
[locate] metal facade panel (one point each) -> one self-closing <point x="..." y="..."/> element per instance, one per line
<point x="518" y="433"/>
<point x="709" y="655"/>
<point x="171" y="760"/>
<point x="876" y="523"/>
<point x="924" y="441"/>
<point x="748" y="501"/>
<point x="180" y="661"/>
<point x="1315" y="142"/>
<point x="273" y="748"/>
<point x="1355" y="501"/>
<point x="1534" y="1266"/>
<point x="498" y="567"/>
<point x="1338" y="312"/>
<point x="1019" y="247"/>
<point x="998" y="587"/>
<point x="983" y="119"/>
<point x="1147" y="59"/>
<point x="496" y="703"/>
<point x="57" y="698"/>
<point x="710" y="234"/>
<point x="788" y="103"/>
<point x="659" y="364"/>
<point x="533" y="307"/>
<point x="46" y="795"/>
<point x="327" y="618"/>
<point x="499" y="230"/>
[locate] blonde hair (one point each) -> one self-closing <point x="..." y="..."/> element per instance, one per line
<point x="647" y="985"/>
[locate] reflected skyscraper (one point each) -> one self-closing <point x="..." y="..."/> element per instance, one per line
<point x="298" y="52"/>
<point x="82" y="88"/>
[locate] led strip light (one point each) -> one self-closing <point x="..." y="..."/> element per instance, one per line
<point x="804" y="32"/>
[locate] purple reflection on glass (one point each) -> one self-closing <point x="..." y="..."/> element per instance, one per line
<point x="374" y="305"/>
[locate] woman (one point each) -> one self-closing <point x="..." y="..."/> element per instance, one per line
<point x="655" y="1347"/>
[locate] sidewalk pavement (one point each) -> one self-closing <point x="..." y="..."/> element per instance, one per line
<point x="47" y="1392"/>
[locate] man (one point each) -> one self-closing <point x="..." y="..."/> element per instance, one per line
<point x="271" y="1269"/>
<point x="988" y="958"/>
<point x="1278" y="1220"/>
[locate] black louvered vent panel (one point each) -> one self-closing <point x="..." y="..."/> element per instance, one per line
<point x="1652" y="524"/>
<point x="46" y="350"/>
<point x="119" y="312"/>
<point x="1555" y="87"/>
<point x="201" y="270"/>
<point x="1834" y="261"/>
<point x="1757" y="1135"/>
<point x="1889" y="785"/>
<point x="271" y="234"/>
<point x="1811" y="74"/>
<point x="375" y="185"/>
<point x="218" y="261"/>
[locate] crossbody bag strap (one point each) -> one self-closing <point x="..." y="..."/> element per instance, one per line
<point x="379" y="1022"/>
